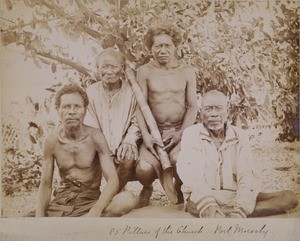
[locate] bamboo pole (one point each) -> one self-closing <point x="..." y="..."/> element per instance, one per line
<point x="167" y="184"/>
<point x="163" y="155"/>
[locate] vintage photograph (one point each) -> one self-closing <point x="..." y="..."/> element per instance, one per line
<point x="150" y="109"/>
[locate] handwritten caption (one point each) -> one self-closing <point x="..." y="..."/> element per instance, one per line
<point x="169" y="230"/>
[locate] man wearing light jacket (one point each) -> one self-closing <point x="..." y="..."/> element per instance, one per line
<point x="218" y="171"/>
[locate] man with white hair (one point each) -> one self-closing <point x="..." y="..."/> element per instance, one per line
<point x="112" y="110"/>
<point x="218" y="171"/>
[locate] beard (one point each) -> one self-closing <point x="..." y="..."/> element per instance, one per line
<point x="72" y="130"/>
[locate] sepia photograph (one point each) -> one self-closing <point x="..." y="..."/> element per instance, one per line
<point x="150" y="120"/>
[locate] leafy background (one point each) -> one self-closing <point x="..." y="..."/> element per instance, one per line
<point x="248" y="49"/>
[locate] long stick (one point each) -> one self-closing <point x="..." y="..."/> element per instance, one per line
<point x="163" y="155"/>
<point x="167" y="182"/>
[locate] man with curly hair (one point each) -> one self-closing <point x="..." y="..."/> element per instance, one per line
<point x="170" y="89"/>
<point x="81" y="154"/>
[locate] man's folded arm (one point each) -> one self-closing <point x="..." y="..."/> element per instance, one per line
<point x="91" y="114"/>
<point x="133" y="133"/>
<point x="191" y="172"/>
<point x="248" y="181"/>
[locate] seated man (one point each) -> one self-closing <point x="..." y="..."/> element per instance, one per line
<point x="82" y="155"/>
<point x="112" y="110"/>
<point x="217" y="169"/>
<point x="170" y="90"/>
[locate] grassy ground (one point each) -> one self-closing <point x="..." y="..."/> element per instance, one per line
<point x="279" y="164"/>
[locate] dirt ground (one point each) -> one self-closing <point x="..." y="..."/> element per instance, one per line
<point x="278" y="163"/>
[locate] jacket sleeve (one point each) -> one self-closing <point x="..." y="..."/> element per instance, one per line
<point x="190" y="168"/>
<point x="91" y="115"/>
<point x="248" y="180"/>
<point x="133" y="133"/>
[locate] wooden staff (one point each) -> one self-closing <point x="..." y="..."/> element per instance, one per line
<point x="167" y="184"/>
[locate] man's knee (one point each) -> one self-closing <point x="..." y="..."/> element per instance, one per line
<point x="145" y="171"/>
<point x="290" y="199"/>
<point x="144" y="168"/>
<point x="121" y="204"/>
<point x="127" y="164"/>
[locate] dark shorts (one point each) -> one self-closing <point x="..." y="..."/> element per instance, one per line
<point x="71" y="200"/>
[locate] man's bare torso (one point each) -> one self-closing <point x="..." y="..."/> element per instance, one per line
<point x="167" y="93"/>
<point x="78" y="158"/>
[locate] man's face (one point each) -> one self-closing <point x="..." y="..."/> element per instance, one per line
<point x="71" y="110"/>
<point x="214" y="112"/>
<point x="163" y="48"/>
<point x="109" y="69"/>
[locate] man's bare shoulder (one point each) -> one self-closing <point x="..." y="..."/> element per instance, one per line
<point x="94" y="133"/>
<point x="187" y="68"/>
<point x="146" y="67"/>
<point x="51" y="139"/>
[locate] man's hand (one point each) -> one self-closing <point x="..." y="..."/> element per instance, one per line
<point x="237" y="213"/>
<point x="127" y="151"/>
<point x="213" y="212"/>
<point x="149" y="142"/>
<point x="172" y="139"/>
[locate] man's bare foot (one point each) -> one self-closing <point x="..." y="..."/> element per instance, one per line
<point x="145" y="196"/>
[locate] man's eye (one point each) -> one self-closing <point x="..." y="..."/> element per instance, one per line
<point x="207" y="108"/>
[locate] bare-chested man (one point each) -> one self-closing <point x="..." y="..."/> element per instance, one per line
<point x="170" y="89"/>
<point x="82" y="155"/>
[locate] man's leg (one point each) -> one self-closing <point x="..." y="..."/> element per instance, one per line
<point x="145" y="174"/>
<point x="274" y="203"/>
<point x="125" y="171"/>
<point x="178" y="183"/>
<point x="121" y="204"/>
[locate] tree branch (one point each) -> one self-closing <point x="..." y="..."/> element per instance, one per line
<point x="93" y="33"/>
<point x="68" y="62"/>
<point x="25" y="40"/>
<point x="90" y="14"/>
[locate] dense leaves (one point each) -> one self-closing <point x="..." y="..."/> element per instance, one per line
<point x="21" y="171"/>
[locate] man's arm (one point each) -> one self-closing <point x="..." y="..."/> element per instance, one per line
<point x="128" y="147"/>
<point x="190" y="168"/>
<point x="133" y="133"/>
<point x="191" y="99"/>
<point x="248" y="181"/>
<point x="91" y="114"/>
<point x="109" y="173"/>
<point x="148" y="139"/>
<point x="191" y="108"/>
<point x="45" y="188"/>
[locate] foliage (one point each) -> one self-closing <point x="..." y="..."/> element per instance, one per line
<point x="22" y="160"/>
<point x="248" y="49"/>
<point x="21" y="170"/>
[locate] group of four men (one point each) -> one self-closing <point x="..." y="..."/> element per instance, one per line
<point x="101" y="133"/>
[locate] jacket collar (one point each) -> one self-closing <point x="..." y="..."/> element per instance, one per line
<point x="230" y="134"/>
